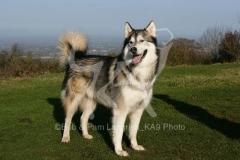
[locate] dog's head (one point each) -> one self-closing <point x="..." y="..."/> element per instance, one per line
<point x="140" y="46"/>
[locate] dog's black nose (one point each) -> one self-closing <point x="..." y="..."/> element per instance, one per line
<point x="133" y="50"/>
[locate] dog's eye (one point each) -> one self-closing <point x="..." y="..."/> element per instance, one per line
<point x="141" y="40"/>
<point x="130" y="42"/>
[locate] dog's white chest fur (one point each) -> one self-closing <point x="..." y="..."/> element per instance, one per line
<point x="136" y="98"/>
<point x="137" y="93"/>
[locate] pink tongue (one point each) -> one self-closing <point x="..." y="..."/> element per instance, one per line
<point x="137" y="59"/>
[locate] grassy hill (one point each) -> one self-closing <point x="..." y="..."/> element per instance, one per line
<point x="198" y="117"/>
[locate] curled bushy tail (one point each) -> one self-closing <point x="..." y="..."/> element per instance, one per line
<point x="71" y="41"/>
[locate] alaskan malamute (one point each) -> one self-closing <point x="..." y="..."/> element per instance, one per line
<point x="124" y="82"/>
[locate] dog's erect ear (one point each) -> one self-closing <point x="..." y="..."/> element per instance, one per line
<point x="128" y="29"/>
<point x="151" y="29"/>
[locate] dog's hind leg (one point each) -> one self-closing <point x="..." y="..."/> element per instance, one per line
<point x="135" y="117"/>
<point x="70" y="105"/>
<point x="87" y="106"/>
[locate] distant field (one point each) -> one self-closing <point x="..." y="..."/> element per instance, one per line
<point x="198" y="117"/>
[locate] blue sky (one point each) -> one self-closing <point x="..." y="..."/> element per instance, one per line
<point x="184" y="18"/>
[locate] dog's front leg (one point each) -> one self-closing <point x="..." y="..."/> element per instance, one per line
<point x="119" y="118"/>
<point x="135" y="118"/>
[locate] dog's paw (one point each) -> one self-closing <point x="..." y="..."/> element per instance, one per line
<point x="87" y="136"/>
<point x="66" y="139"/>
<point x="138" y="148"/>
<point x="122" y="153"/>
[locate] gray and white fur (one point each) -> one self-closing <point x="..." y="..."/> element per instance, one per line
<point x="123" y="83"/>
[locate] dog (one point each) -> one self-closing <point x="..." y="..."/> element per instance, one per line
<point x="123" y="83"/>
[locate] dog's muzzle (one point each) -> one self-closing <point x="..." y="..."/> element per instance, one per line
<point x="137" y="58"/>
<point x="133" y="50"/>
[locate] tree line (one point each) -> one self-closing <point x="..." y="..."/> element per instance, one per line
<point x="14" y="64"/>
<point x="218" y="44"/>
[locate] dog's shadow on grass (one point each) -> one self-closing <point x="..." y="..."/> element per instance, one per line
<point x="101" y="121"/>
<point x="224" y="126"/>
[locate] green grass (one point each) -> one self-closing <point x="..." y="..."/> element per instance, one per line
<point x="201" y="102"/>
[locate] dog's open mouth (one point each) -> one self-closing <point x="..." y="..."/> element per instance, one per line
<point x="138" y="58"/>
